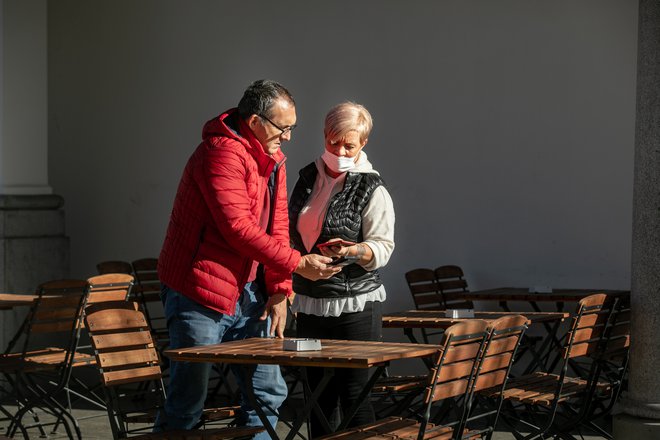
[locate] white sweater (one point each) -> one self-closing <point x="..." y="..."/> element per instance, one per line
<point x="377" y="231"/>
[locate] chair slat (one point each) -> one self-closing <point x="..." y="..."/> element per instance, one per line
<point x="449" y="389"/>
<point x="115" y="340"/>
<point x="135" y="375"/>
<point x="127" y="358"/>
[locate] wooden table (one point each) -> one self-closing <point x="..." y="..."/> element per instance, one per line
<point x="11" y="300"/>
<point x="333" y="354"/>
<point x="436" y="319"/>
<point x="558" y="296"/>
<point x="410" y="319"/>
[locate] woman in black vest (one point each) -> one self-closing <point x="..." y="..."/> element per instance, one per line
<point x="339" y="207"/>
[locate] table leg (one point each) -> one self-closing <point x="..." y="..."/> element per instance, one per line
<point x="363" y="395"/>
<point x="310" y="404"/>
<point x="311" y="401"/>
<point x="248" y="372"/>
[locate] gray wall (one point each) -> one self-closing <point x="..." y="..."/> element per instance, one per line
<point x="504" y="129"/>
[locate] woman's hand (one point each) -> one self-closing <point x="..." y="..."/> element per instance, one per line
<point x="334" y="251"/>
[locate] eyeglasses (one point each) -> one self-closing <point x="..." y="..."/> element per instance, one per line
<point x="283" y="130"/>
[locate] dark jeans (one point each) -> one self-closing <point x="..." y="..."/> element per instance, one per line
<point x="347" y="383"/>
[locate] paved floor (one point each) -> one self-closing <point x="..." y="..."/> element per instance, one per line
<point x="94" y="426"/>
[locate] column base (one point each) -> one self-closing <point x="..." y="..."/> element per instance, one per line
<point x="33" y="248"/>
<point x="626" y="427"/>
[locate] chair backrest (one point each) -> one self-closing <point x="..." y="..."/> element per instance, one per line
<point x="147" y="286"/>
<point x="114" y="266"/>
<point x="451" y="285"/>
<point x="584" y="339"/>
<point x="125" y="354"/>
<point x="588" y="326"/>
<point x="53" y="325"/>
<point x="616" y="341"/>
<point x="611" y="362"/>
<point x="455" y="367"/>
<point x="424" y="289"/>
<point x="147" y="291"/>
<point x="56" y="312"/>
<point x="504" y="337"/>
<point x="109" y="287"/>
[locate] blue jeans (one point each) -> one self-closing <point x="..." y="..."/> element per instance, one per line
<point x="191" y="324"/>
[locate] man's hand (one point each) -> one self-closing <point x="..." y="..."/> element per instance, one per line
<point x="316" y="267"/>
<point x="276" y="308"/>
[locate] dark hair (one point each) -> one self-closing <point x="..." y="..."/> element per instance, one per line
<point x="260" y="96"/>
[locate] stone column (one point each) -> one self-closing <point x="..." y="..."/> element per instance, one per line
<point x="641" y="404"/>
<point x="33" y="246"/>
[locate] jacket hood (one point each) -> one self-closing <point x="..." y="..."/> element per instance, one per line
<point x="230" y="125"/>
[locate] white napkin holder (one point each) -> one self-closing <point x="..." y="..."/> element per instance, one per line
<point x="301" y="344"/>
<point x="459" y="313"/>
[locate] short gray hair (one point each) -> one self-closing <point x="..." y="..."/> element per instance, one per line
<point x="259" y="97"/>
<point x="345" y="117"/>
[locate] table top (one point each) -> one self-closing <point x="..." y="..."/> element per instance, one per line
<point x="333" y="353"/>
<point x="523" y="294"/>
<point x="10" y="300"/>
<point x="437" y="318"/>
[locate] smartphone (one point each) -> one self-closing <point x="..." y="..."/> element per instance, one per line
<point x="335" y="243"/>
<point x="344" y="261"/>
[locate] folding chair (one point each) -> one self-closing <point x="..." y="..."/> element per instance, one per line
<point x="101" y="288"/>
<point x="147" y="292"/>
<point x="39" y="371"/>
<point x="537" y="402"/>
<point x="453" y="376"/>
<point x="606" y="378"/>
<point x="126" y="358"/>
<point x="424" y="290"/>
<point x="394" y="394"/>
<point x="110" y="287"/>
<point x="451" y="285"/>
<point x="505" y="335"/>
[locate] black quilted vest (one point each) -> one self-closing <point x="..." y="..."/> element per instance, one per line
<point x="343" y="220"/>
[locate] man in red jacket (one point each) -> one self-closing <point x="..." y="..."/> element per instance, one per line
<point x="226" y="261"/>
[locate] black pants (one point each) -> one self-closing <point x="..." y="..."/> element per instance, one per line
<point x="347" y="383"/>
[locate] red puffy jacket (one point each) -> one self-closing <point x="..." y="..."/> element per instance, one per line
<point x="214" y="234"/>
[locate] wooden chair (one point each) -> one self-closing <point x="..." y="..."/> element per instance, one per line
<point x="451" y="285"/>
<point x="424" y="290"/>
<point x="542" y="401"/>
<point x="100" y="288"/>
<point x="114" y="266"/>
<point x="505" y="336"/>
<point x="39" y="359"/>
<point x="147" y="292"/>
<point x="493" y="369"/>
<point x="606" y="378"/>
<point x="428" y="288"/>
<point x="109" y="287"/>
<point x="126" y="357"/>
<point x="453" y="376"/>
